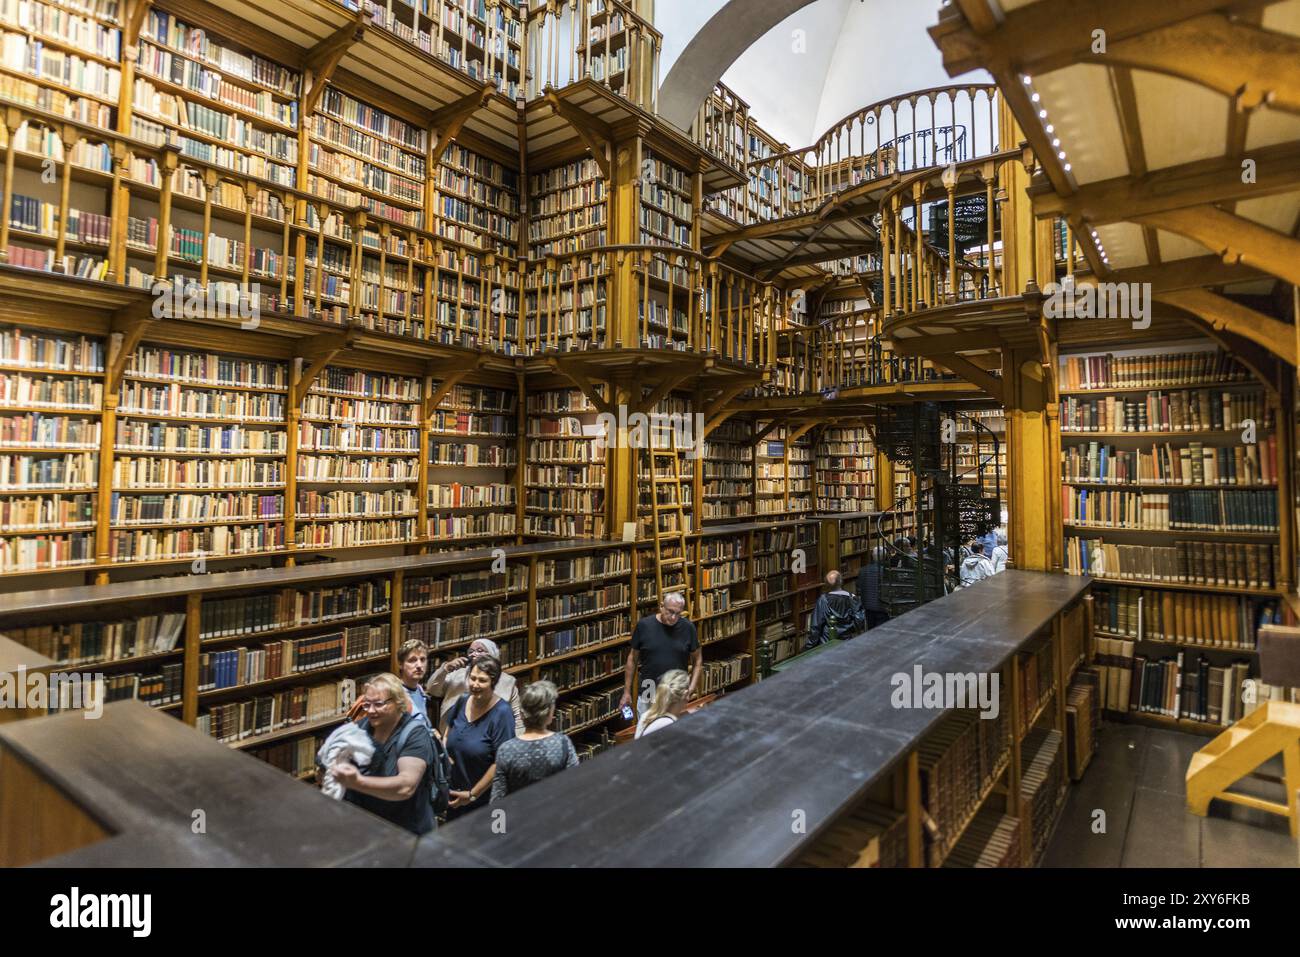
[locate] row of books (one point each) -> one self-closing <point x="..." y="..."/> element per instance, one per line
<point x="43" y="513"/>
<point x="1215" y="621"/>
<point x="143" y="398"/>
<point x="429" y="591"/>
<point x="1184" y="685"/>
<point x="187" y="543"/>
<point x="22" y="389"/>
<point x="129" y="472"/>
<point x="139" y="436"/>
<point x="174" y="508"/>
<point x="167" y="30"/>
<point x="265" y="714"/>
<point x="717" y="675"/>
<point x="70" y="470"/>
<point x="243" y="666"/>
<point x="1195" y="411"/>
<point x="1192" y="464"/>
<point x="1191" y="509"/>
<point x="343" y="468"/>
<point x="1221" y="564"/>
<point x="350" y="534"/>
<point x="489" y="525"/>
<point x="289" y="608"/>
<point x="348" y="503"/>
<point x="19" y="347"/>
<point x="1164" y="369"/>
<point x="92" y="642"/>
<point x="46" y="551"/>
<point x="958" y="762"/>
<point x="553" y="608"/>
<point x="491" y="622"/>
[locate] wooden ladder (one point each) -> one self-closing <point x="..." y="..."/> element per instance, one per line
<point x="1271" y="728"/>
<point x="674" y="511"/>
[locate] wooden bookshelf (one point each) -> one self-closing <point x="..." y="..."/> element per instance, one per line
<point x="1187" y="517"/>
<point x="846" y="470"/>
<point x="728" y="473"/>
<point x="564" y="480"/>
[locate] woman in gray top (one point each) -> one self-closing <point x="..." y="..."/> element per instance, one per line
<point x="537" y="753"/>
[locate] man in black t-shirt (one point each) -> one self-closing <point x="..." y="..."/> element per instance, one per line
<point x="396" y="785"/>
<point x="661" y="642"/>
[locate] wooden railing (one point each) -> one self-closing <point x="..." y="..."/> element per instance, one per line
<point x="679" y="300"/>
<point x="722" y="126"/>
<point x="526" y="51"/>
<point x="381" y="275"/>
<point x="604" y="40"/>
<point x="932" y="127"/>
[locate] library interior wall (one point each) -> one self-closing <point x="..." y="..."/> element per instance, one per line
<point x="742" y="508"/>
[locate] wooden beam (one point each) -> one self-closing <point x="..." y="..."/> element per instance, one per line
<point x="943" y="345"/>
<point x="323" y="59"/>
<point x="771" y="427"/>
<point x="1277" y="170"/>
<point x="972" y="373"/>
<point x="1044" y="36"/>
<point x="800" y="432"/>
<point x="1222" y="313"/>
<point x="718" y="402"/>
<point x="1253" y="66"/>
<point x="445" y="385"/>
<point x="127" y="331"/>
<point x="1196" y="273"/>
<point x="1235" y="239"/>
<point x="660" y="392"/>
<point x="1253" y="357"/>
<point x="595" y="135"/>
<point x="318" y="350"/>
<point x="447" y="122"/>
<point x="134" y="21"/>
<point x="578" y="377"/>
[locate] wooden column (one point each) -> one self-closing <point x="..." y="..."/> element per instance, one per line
<point x="1033" y="463"/>
<point x="624" y="229"/>
<point x="12" y="122"/>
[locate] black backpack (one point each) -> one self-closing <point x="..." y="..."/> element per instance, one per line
<point x="439" y="771"/>
<point x="844" y="618"/>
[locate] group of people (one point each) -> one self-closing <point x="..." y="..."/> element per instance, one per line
<point x="841" y="614"/>
<point x="493" y="737"/>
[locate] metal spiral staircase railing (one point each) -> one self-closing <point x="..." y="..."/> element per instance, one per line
<point x="946" y="510"/>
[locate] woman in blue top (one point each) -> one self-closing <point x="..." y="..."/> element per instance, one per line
<point x="477" y="724"/>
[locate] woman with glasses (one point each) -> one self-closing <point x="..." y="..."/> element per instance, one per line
<point x="394" y="785"/>
<point x="475" y="727"/>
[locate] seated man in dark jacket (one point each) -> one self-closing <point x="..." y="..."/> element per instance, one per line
<point x="837" y="615"/>
<point x="869" y="591"/>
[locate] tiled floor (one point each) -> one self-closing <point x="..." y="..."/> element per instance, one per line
<point x="1136" y="779"/>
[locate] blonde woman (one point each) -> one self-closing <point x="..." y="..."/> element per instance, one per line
<point x="395" y="785"/>
<point x="672" y="694"/>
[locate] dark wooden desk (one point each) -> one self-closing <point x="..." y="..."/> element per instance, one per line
<point x="722" y="787"/>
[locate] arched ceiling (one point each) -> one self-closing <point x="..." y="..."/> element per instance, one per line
<point x="800" y="65"/>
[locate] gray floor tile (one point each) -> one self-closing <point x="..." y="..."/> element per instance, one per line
<point x="1168" y="755"/>
<point x="1249" y="838"/>
<point x="1161" y="832"/>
